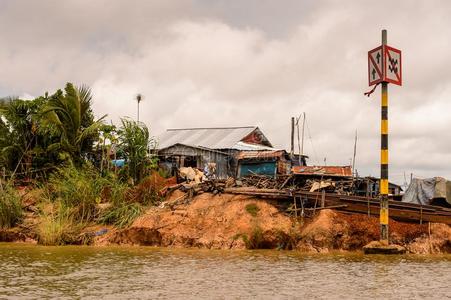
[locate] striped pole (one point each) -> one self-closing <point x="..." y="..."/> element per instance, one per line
<point x="384" y="154"/>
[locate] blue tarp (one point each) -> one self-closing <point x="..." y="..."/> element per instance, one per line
<point x="261" y="168"/>
<point x="118" y="162"/>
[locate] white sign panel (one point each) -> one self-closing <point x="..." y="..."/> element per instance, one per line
<point x="393" y="65"/>
<point x="375" y="66"/>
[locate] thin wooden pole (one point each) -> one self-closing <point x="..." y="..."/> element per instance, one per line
<point x="295" y="209"/>
<point x="355" y="152"/>
<point x="292" y="137"/>
<point x="302" y="140"/>
<point x="368" y="195"/>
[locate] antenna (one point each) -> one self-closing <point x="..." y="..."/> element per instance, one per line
<point x="300" y="141"/>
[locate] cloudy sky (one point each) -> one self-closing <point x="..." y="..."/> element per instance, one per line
<point x="206" y="63"/>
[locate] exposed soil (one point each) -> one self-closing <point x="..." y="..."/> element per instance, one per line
<point x="237" y="222"/>
<point x="207" y="221"/>
<point x="332" y="230"/>
<point x="229" y="221"/>
<point x="12" y="235"/>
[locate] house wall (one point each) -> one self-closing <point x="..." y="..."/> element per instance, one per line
<point x="283" y="166"/>
<point x="203" y="157"/>
<point x="268" y="168"/>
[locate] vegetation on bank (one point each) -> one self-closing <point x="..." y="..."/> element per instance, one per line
<point x="55" y="145"/>
<point x="10" y="207"/>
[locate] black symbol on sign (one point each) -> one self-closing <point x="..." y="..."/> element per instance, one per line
<point x="373" y="73"/>
<point x="393" y="65"/>
<point x="378" y="56"/>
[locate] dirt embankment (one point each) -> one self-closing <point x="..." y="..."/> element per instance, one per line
<point x="207" y="221"/>
<point x="239" y="222"/>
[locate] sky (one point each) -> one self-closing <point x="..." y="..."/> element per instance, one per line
<point x="207" y="63"/>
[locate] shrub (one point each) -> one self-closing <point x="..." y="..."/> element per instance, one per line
<point x="10" y="207"/>
<point x="79" y="190"/>
<point x="122" y="215"/>
<point x="255" y="240"/>
<point x="124" y="210"/>
<point x="57" y="226"/>
<point x="252" y="209"/>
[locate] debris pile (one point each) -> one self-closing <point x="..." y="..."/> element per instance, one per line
<point x="339" y="186"/>
<point x="264" y="182"/>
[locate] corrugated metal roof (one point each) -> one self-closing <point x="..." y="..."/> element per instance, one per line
<point x="323" y="170"/>
<point x="242" y="146"/>
<point x="180" y="148"/>
<point x="214" y="138"/>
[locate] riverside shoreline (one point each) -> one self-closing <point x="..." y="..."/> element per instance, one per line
<point x="244" y="222"/>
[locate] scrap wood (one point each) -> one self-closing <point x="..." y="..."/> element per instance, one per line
<point x="286" y="181"/>
<point x="328" y="207"/>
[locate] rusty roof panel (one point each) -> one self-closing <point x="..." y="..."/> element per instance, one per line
<point x="260" y="154"/>
<point x="323" y="170"/>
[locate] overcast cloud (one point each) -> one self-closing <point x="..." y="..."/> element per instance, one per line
<point x="230" y="63"/>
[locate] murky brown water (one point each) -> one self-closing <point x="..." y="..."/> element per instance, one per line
<point x="28" y="271"/>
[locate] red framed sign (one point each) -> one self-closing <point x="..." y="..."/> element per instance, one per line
<point x="384" y="65"/>
<point x="375" y="66"/>
<point x="392" y="65"/>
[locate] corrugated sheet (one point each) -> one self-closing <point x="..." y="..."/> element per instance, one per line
<point x="260" y="154"/>
<point x="214" y="138"/>
<point x="323" y="170"/>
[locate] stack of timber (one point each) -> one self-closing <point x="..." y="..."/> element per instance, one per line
<point x="353" y="204"/>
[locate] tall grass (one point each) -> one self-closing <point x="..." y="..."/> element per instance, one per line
<point x="69" y="204"/>
<point x="10" y="206"/>
<point x="72" y="197"/>
<point x="122" y="211"/>
<point x="57" y="225"/>
<point x="122" y="215"/>
<point x="79" y="190"/>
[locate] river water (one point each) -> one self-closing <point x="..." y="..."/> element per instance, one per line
<point x="73" y="272"/>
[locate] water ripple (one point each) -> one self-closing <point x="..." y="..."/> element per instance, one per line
<point x="29" y="272"/>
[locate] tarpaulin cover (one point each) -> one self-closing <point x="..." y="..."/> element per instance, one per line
<point x="423" y="191"/>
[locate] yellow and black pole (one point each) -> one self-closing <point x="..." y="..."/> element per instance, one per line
<point x="384" y="67"/>
<point x="384" y="155"/>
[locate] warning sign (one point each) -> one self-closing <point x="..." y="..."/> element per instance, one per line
<point x="384" y="65"/>
<point x="392" y="65"/>
<point x="375" y="66"/>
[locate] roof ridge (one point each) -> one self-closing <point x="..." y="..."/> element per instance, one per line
<point x="199" y="128"/>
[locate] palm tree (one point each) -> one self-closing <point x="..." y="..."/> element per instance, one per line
<point x="134" y="142"/>
<point x="139" y="98"/>
<point x="70" y="114"/>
